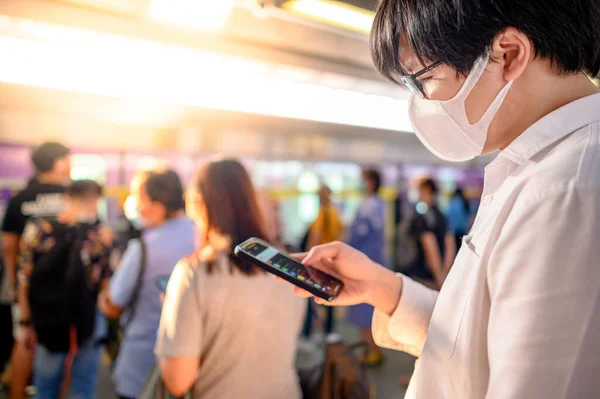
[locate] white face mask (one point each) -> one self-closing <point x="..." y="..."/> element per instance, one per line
<point x="443" y="126"/>
<point x="413" y="196"/>
<point x="87" y="217"/>
<point x="132" y="212"/>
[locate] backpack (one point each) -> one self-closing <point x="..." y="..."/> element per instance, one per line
<point x="336" y="374"/>
<point x="61" y="295"/>
<point x="406" y="244"/>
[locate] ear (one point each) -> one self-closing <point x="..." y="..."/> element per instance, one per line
<point x="513" y="50"/>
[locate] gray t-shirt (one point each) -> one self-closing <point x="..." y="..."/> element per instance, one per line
<point x="243" y="328"/>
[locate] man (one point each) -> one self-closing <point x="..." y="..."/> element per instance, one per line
<point x="51" y="274"/>
<point x="155" y="205"/>
<point x="518" y="315"/>
<point x="43" y="197"/>
<point x="435" y="244"/>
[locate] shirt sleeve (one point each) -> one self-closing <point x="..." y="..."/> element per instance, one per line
<point x="125" y="278"/>
<point x="14" y="221"/>
<point x="406" y="328"/>
<point x="181" y="329"/>
<point x="420" y="226"/>
<point x="544" y="280"/>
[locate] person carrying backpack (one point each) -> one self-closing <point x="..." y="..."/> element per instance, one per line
<point x="42" y="197"/>
<point x="65" y="263"/>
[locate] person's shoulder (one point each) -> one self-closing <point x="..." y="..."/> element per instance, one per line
<point x="572" y="164"/>
<point x="47" y="188"/>
<point x="200" y="261"/>
<point x="330" y="210"/>
<point x="173" y="229"/>
<point x="370" y="205"/>
<point x="32" y="190"/>
<point x="20" y="197"/>
<point x="419" y="221"/>
<point x="183" y="222"/>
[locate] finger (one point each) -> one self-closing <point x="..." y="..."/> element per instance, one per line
<point x="299" y="256"/>
<point x="302" y="293"/>
<point x="326" y="266"/>
<point x="279" y="279"/>
<point x="331" y="268"/>
<point x="321" y="301"/>
<point x="320" y="252"/>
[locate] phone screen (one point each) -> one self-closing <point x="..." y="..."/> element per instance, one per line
<point x="162" y="282"/>
<point x="308" y="275"/>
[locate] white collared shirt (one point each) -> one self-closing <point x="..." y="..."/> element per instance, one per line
<point x="519" y="314"/>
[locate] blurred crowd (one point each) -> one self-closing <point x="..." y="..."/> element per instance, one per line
<point x="165" y="295"/>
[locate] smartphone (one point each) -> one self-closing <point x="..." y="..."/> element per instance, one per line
<point x="274" y="261"/>
<point x="162" y="282"/>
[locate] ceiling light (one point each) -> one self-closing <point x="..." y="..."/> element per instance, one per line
<point x="335" y="13"/>
<point x="196" y="14"/>
<point x="79" y="61"/>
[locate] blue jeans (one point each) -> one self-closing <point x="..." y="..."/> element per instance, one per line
<point x="49" y="367"/>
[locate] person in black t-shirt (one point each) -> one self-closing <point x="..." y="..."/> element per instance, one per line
<point x="435" y="243"/>
<point x="43" y="197"/>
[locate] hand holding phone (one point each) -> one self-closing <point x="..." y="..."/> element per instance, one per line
<point x="365" y="281"/>
<point x="277" y="262"/>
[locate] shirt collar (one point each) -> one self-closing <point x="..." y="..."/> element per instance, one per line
<point x="553" y="127"/>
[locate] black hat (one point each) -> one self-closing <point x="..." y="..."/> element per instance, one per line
<point x="44" y="156"/>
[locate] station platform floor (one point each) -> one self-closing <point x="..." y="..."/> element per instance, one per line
<point x="385" y="378"/>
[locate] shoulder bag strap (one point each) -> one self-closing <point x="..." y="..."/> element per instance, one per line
<point x="138" y="283"/>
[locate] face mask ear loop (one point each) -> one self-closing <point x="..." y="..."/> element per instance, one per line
<point x="489" y="114"/>
<point x="472" y="78"/>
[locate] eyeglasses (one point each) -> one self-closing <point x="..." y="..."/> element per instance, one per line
<point x="415" y="84"/>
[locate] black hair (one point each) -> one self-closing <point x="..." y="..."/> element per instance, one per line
<point x="430" y="184"/>
<point x="374" y="176"/>
<point x="45" y="155"/>
<point x="458" y="32"/>
<point x="232" y="213"/>
<point x="164" y="186"/>
<point x="82" y="189"/>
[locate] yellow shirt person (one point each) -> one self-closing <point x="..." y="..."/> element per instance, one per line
<point x="328" y="226"/>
